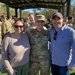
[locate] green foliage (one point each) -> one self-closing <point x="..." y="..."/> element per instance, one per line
<point x="48" y="12"/>
<point x="2" y="9"/>
<point x="72" y="73"/>
<point x="12" y="11"/>
<point x="3" y="74"/>
<point x="25" y="14"/>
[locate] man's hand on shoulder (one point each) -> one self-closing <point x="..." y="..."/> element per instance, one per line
<point x="30" y="30"/>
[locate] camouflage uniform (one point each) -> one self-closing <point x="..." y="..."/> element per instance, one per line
<point x="47" y="25"/>
<point x="26" y="25"/>
<point x="6" y="27"/>
<point x="0" y="33"/>
<point x="11" y="21"/>
<point x="71" y="25"/>
<point x="39" y="55"/>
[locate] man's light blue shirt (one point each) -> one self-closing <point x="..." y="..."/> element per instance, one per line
<point x="60" y="48"/>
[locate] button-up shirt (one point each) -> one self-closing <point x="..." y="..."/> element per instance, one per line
<point x="61" y="46"/>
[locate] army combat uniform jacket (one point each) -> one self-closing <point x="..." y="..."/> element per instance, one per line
<point x="39" y="55"/>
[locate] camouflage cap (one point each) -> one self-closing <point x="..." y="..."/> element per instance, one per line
<point x="40" y="18"/>
<point x="57" y="14"/>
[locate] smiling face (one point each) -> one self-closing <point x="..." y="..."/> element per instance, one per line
<point x="39" y="25"/>
<point x="31" y="18"/>
<point x="57" y="22"/>
<point x="19" y="27"/>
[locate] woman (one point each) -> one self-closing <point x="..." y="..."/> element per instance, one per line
<point x="15" y="51"/>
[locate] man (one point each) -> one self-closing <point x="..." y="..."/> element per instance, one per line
<point x="39" y="55"/>
<point x="26" y="22"/>
<point x="62" y="40"/>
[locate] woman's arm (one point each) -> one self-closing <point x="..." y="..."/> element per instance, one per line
<point x="5" y="55"/>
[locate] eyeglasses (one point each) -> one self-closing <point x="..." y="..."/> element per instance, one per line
<point x="55" y="34"/>
<point x="16" y="26"/>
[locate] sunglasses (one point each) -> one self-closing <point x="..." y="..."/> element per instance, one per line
<point x="16" y="26"/>
<point x="55" y="34"/>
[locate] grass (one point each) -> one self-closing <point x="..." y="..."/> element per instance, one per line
<point x="72" y="73"/>
<point x="3" y="74"/>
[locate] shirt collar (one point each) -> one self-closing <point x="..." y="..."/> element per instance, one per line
<point x="64" y="26"/>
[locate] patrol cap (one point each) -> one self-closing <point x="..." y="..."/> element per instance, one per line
<point x="57" y="14"/>
<point x="40" y="18"/>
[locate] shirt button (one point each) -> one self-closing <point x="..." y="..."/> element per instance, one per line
<point x="53" y="45"/>
<point x="54" y="40"/>
<point x="53" y="50"/>
<point x="53" y="54"/>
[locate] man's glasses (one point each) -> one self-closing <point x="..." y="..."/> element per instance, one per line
<point x="16" y="26"/>
<point x="55" y="34"/>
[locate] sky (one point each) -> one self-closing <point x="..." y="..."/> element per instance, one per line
<point x="73" y="2"/>
<point x="30" y="10"/>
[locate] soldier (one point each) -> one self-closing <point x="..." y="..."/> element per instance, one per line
<point x="39" y="55"/>
<point x="73" y="20"/>
<point x="6" y="26"/>
<point x="26" y="22"/>
<point x="0" y="36"/>
<point x="48" y="23"/>
<point x="11" y="20"/>
<point x="70" y="22"/>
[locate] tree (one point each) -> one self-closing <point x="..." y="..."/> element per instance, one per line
<point x="2" y="9"/>
<point x="48" y="12"/>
